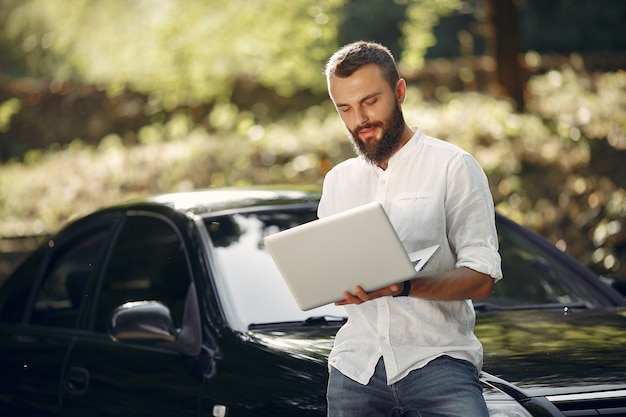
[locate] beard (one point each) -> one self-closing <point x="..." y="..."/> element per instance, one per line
<point x="376" y="152"/>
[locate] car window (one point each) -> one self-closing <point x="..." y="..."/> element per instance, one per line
<point x="534" y="275"/>
<point x="148" y="262"/>
<point x="60" y="293"/>
<point x="15" y="292"/>
<point x="248" y="276"/>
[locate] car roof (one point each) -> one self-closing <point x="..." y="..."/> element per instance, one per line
<point x="202" y="203"/>
<point x="211" y="201"/>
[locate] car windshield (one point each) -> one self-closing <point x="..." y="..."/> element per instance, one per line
<point x="535" y="276"/>
<point x="249" y="279"/>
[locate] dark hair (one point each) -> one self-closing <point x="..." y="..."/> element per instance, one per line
<point x="353" y="56"/>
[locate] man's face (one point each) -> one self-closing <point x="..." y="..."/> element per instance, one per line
<point x="370" y="109"/>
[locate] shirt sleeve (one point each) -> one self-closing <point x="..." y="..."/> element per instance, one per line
<point x="470" y="218"/>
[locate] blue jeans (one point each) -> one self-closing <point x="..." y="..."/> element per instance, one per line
<point x="446" y="387"/>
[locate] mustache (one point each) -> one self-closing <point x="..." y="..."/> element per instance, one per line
<point x="367" y="126"/>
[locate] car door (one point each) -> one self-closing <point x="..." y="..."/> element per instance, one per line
<point x="40" y="314"/>
<point x="104" y="377"/>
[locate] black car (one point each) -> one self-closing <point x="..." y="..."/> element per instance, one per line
<point x="170" y="306"/>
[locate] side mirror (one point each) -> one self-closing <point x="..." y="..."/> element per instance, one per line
<point x="150" y="323"/>
<point x="142" y="322"/>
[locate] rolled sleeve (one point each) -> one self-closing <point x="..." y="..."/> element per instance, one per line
<point x="484" y="259"/>
<point x="471" y="219"/>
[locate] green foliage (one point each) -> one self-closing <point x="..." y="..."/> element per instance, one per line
<point x="195" y="51"/>
<point x="555" y="168"/>
<point x="181" y="52"/>
<point x="421" y="18"/>
<point x="7" y="110"/>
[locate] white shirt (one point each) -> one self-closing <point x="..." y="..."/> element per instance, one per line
<point x="434" y="193"/>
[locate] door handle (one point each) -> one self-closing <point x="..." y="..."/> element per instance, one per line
<point x="77" y="380"/>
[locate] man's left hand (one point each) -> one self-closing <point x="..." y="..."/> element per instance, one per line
<point x="360" y="295"/>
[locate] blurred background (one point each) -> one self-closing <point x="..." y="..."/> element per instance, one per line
<point x="102" y="101"/>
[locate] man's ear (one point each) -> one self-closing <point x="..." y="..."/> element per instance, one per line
<point x="401" y="90"/>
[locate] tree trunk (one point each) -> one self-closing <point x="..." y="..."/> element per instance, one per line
<point x="505" y="48"/>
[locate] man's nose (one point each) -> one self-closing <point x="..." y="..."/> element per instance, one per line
<point x="361" y="117"/>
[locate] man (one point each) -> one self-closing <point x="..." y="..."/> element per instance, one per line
<point x="408" y="349"/>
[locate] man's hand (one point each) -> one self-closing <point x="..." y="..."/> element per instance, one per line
<point x="360" y="296"/>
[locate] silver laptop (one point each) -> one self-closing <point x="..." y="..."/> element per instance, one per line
<point x="321" y="259"/>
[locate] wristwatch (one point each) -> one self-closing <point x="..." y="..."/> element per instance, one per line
<point x="406" y="289"/>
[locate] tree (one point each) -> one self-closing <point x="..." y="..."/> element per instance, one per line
<point x="505" y="48"/>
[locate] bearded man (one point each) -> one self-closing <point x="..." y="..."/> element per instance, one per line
<point x="408" y="349"/>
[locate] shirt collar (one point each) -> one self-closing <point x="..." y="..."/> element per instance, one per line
<point x="403" y="151"/>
